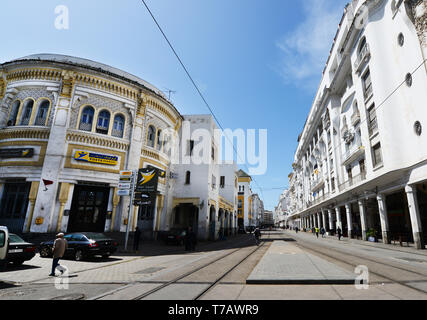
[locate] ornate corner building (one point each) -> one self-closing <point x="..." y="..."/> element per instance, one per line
<point x="361" y="160"/>
<point x="68" y="126"/>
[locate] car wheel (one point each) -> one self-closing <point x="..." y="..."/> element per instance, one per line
<point x="78" y="256"/>
<point x="44" y="252"/>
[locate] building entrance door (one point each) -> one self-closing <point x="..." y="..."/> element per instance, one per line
<point x="13" y="206"/>
<point x="88" y="209"/>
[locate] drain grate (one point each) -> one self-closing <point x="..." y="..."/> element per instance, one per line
<point x="150" y="270"/>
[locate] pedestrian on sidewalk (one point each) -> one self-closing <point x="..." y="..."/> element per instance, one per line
<point x="257" y="234"/>
<point x="296" y="229"/>
<point x="322" y="232"/>
<point x="317" y="232"/>
<point x="190" y="240"/>
<point x="339" y="233"/>
<point x="136" y="238"/>
<point x="59" y="247"/>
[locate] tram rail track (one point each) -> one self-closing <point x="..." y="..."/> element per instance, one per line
<point x="210" y="284"/>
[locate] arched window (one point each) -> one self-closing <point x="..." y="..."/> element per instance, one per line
<point x="42" y="113"/>
<point x="14" y="113"/>
<point x="159" y="139"/>
<point x="150" y="136"/>
<point x="86" y="119"/>
<point x="118" y="126"/>
<point x="187" y="177"/>
<point x="26" y="112"/>
<point x="103" y="122"/>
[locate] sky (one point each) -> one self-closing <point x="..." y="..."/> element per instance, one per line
<point x="257" y="63"/>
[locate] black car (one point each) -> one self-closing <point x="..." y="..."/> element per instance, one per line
<point x="82" y="245"/>
<point x="175" y="236"/>
<point x="19" y="250"/>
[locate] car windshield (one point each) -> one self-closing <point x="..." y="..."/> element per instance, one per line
<point x="96" y="236"/>
<point x="15" y="239"/>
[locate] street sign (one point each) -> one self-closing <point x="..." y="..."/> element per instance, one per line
<point x="124" y="185"/>
<point x="123" y="192"/>
<point x="127" y="174"/>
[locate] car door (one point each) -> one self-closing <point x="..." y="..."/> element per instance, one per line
<point x="70" y="245"/>
<point x="4" y="243"/>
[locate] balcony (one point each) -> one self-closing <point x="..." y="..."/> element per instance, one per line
<point x="362" y="58"/>
<point x="40" y="121"/>
<point x="355" y="151"/>
<point x="352" y="182"/>
<point x="317" y="184"/>
<point x="355" y="118"/>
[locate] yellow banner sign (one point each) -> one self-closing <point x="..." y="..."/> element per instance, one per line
<point x="96" y="158"/>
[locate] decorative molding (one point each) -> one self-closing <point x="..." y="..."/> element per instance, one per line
<point x="106" y="85"/>
<point x="92" y="139"/>
<point x="153" y="104"/>
<point x="35" y="74"/>
<point x="25" y="133"/>
<point x="68" y="81"/>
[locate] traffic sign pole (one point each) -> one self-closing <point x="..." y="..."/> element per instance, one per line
<point x="132" y="195"/>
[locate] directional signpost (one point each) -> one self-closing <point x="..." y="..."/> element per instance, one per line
<point x="141" y="186"/>
<point x="127" y="188"/>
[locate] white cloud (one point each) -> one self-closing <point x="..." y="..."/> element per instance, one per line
<point x="306" y="49"/>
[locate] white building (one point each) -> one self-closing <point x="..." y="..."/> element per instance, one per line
<point x="268" y="218"/>
<point x="205" y="191"/>
<point x="68" y="126"/>
<point x="282" y="209"/>
<point x="361" y="161"/>
<point x="257" y="209"/>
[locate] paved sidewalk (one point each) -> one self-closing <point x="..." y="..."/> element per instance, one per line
<point x="393" y="246"/>
<point x="285" y="263"/>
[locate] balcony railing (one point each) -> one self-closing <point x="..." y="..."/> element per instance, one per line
<point x="355" y="150"/>
<point x="352" y="181"/>
<point x="85" y="126"/>
<point x="316" y="184"/>
<point x="362" y="58"/>
<point x="25" y="122"/>
<point x="40" y="122"/>
<point x="117" y="133"/>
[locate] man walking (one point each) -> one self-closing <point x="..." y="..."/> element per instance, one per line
<point x="136" y="237"/>
<point x="317" y="232"/>
<point x="339" y="233"/>
<point x="59" y="247"/>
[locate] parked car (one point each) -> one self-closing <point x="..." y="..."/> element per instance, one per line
<point x="82" y="245"/>
<point x="174" y="236"/>
<point x="19" y="250"/>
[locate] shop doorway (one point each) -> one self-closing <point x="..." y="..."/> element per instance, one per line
<point x="186" y="215"/>
<point x="422" y="206"/>
<point x="88" y="209"/>
<point x="14" y="205"/>
<point x="398" y="216"/>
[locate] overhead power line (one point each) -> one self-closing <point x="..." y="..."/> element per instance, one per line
<point x="195" y="85"/>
